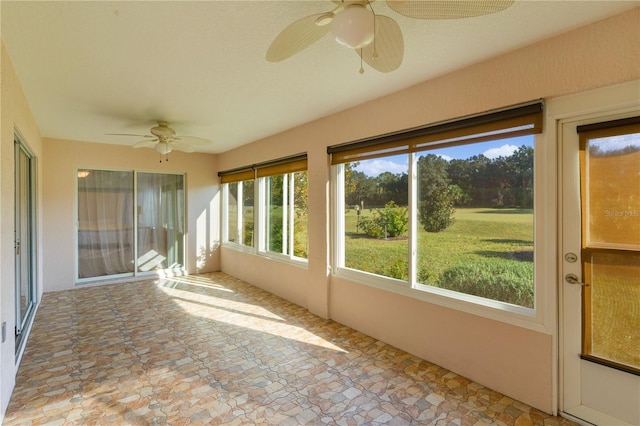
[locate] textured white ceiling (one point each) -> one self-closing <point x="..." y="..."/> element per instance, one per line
<point x="95" y="67"/>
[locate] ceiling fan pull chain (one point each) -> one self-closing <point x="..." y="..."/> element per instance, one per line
<point x="361" y="67"/>
<point x="374" y="55"/>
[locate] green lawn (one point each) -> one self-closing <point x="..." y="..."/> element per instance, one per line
<point x="477" y="235"/>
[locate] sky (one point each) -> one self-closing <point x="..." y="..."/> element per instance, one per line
<point x="614" y="143"/>
<point x="493" y="149"/>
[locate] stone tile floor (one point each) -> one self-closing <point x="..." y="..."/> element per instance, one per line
<point x="211" y="349"/>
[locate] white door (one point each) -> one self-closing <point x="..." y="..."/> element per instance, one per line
<point x="600" y="267"/>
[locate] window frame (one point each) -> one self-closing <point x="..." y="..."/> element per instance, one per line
<point x="545" y="246"/>
<point x="261" y="172"/>
<point x="237" y="245"/>
<point x="288" y="219"/>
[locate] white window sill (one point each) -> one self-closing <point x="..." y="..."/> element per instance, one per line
<point x="491" y="309"/>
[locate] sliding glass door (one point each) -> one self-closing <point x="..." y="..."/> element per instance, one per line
<point x="129" y="223"/>
<point x="160" y="209"/>
<point x="25" y="240"/>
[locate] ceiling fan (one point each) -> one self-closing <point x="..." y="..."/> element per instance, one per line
<point x="164" y="140"/>
<point x="377" y="39"/>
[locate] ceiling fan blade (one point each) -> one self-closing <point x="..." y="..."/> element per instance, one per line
<point x="447" y="9"/>
<point x="386" y="51"/>
<point x="146" y="144"/>
<point x="181" y="146"/>
<point x="192" y="140"/>
<point x="296" y="37"/>
<point x="129" y="134"/>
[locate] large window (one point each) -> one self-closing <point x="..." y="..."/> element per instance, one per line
<point x="446" y="209"/>
<point x="278" y="218"/>
<point x="285" y="214"/>
<point x="239" y="208"/>
<point x="126" y="228"/>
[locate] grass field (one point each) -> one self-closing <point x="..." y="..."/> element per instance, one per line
<point x="477" y="235"/>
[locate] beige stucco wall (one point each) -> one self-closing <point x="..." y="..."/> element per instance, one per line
<point x="15" y="115"/>
<point x="514" y="360"/>
<point x="62" y="158"/>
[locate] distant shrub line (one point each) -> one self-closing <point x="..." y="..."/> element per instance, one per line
<point x="504" y="280"/>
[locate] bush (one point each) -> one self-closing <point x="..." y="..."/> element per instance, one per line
<point x="248" y="234"/>
<point x="427" y="276"/>
<point x="497" y="279"/>
<point x="391" y="221"/>
<point x="398" y="269"/>
<point x="435" y="212"/>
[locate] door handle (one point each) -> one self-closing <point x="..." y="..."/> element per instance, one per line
<point x="573" y="279"/>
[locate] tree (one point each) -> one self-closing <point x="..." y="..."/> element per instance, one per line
<point x="437" y="195"/>
<point x="360" y="188"/>
<point x="471" y="176"/>
<point x="301" y="191"/>
<point x="393" y="188"/>
<point x="349" y="177"/>
<point x="522" y="178"/>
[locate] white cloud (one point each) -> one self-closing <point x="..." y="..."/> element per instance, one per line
<point x="504" y="151"/>
<point x="379" y="165"/>
<point x="445" y="157"/>
<point x="616" y="143"/>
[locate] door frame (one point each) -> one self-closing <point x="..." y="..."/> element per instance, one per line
<point x="594" y="106"/>
<point x="23" y="323"/>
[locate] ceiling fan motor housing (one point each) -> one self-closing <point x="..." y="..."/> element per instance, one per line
<point x="162" y="131"/>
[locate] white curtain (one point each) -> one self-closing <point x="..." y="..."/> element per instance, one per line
<point x="160" y="221"/>
<point x="105" y="223"/>
<point x="108" y="220"/>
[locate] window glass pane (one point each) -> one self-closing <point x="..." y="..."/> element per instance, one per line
<point x="105" y="223"/>
<point x="475" y="219"/>
<point x="612" y="178"/>
<point x="376" y="216"/>
<point x="300" y="243"/>
<point x="615" y="306"/>
<point x="247" y="212"/>
<point x="276" y="213"/>
<point x="232" y="211"/>
<point x="160" y="210"/>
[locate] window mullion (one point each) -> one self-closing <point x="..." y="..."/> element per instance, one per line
<point x="338" y="216"/>
<point x="239" y="222"/>
<point x="413" y="219"/>
<point x="260" y="213"/>
<point x="285" y="211"/>
<point x="291" y="214"/>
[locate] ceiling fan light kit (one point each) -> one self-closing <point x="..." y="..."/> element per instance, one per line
<point x="163" y="148"/>
<point x="354" y="27"/>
